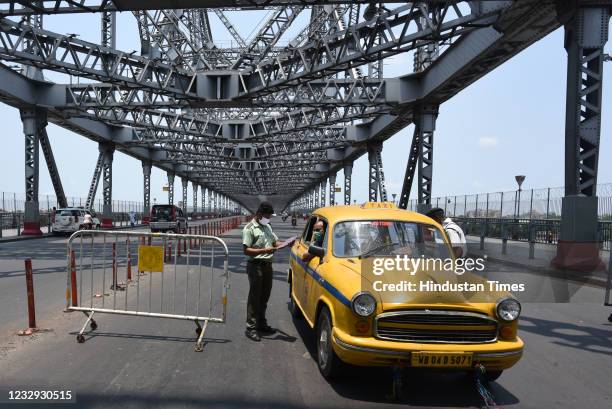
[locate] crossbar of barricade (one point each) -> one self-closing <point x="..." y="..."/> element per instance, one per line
<point x="173" y="280"/>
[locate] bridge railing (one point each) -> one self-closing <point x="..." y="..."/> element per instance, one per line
<point x="545" y="231"/>
<point x="530" y="204"/>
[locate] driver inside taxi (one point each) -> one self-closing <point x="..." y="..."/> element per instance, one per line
<point x="318" y="231"/>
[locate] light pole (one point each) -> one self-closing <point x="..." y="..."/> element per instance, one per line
<point x="394" y="195"/>
<point x="519" y="180"/>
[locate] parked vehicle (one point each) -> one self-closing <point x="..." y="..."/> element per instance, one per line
<point x="71" y="219"/>
<point x="168" y="218"/>
<point x="358" y="322"/>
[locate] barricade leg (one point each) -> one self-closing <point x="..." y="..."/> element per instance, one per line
<point x="129" y="261"/>
<point x="199" y="347"/>
<point x="93" y="326"/>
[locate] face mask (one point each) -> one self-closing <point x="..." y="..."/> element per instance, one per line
<point x="316" y="235"/>
<point x="263" y="221"/>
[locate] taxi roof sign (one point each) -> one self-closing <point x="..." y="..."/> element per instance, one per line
<point x="378" y="205"/>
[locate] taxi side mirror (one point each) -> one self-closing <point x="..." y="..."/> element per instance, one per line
<point x="316" y="251"/>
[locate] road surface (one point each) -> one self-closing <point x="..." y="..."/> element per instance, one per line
<point x="134" y="362"/>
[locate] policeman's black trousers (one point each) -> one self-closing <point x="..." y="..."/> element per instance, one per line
<point x="260" y="286"/>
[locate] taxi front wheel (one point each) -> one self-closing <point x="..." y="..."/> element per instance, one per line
<point x="491" y="376"/>
<point x="327" y="360"/>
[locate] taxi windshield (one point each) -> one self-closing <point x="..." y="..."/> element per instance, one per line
<point x="388" y="238"/>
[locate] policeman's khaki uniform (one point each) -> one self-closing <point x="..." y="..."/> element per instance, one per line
<point x="259" y="271"/>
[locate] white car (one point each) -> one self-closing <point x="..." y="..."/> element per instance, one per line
<point x="71" y="219"/>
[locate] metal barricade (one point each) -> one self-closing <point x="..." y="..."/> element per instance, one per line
<point x="147" y="274"/>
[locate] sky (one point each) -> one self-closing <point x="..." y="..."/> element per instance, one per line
<point x="510" y="122"/>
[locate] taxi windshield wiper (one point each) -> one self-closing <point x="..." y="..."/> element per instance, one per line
<point x="375" y="249"/>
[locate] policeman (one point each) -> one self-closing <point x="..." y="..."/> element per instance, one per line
<point x="259" y="243"/>
<point x="454" y="232"/>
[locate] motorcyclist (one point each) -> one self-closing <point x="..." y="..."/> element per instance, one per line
<point x="87" y="221"/>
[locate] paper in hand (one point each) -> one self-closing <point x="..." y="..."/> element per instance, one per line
<point x="286" y="243"/>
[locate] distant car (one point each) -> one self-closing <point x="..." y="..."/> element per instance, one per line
<point x="71" y="219"/>
<point x="168" y="218"/>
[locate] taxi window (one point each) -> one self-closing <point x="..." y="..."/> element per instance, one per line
<point x="385" y="238"/>
<point x="308" y="229"/>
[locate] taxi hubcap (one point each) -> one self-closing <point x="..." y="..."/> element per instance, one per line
<point x="323" y="344"/>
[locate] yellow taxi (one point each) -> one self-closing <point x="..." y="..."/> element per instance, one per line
<point x="363" y="317"/>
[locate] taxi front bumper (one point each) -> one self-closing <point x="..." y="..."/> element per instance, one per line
<point x="369" y="351"/>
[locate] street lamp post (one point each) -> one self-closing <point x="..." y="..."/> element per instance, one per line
<point x="519" y="180"/>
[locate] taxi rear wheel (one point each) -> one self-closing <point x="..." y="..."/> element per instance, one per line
<point x="327" y="360"/>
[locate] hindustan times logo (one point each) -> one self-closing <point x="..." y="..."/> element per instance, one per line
<point x="413" y="264"/>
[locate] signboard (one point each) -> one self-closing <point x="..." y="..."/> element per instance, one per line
<point x="151" y="258"/>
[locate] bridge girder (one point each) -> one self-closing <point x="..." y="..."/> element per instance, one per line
<point x="280" y="123"/>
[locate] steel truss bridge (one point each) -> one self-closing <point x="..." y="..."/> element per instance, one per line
<point x="264" y="120"/>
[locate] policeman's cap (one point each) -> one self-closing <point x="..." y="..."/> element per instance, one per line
<point x="435" y="212"/>
<point x="265" y="208"/>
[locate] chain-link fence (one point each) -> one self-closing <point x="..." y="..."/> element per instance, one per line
<point x="15" y="203"/>
<point x="526" y="204"/>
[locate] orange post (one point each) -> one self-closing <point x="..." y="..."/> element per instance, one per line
<point x="114" y="285"/>
<point x="30" y="290"/>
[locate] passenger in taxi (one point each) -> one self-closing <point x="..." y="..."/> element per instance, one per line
<point x="318" y="232"/>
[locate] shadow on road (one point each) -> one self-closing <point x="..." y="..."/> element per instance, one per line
<point x="585" y="338"/>
<point x="206" y="340"/>
<point x="421" y="387"/>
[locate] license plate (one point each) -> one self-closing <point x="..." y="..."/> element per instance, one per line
<point x="442" y="359"/>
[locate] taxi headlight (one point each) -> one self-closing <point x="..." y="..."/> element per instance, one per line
<point x="364" y="304"/>
<point x="508" y="309"/>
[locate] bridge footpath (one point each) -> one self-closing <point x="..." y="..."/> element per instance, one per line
<point x="517" y="256"/>
<point x="146" y="363"/>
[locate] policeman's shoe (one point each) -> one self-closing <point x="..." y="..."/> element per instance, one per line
<point x="267" y="330"/>
<point x="252" y="335"/>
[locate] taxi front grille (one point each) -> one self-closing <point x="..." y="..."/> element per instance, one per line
<point x="426" y="326"/>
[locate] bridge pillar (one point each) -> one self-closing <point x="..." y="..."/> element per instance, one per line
<point x="107" y="150"/>
<point x="213" y="202"/>
<point x="210" y="201"/>
<point x="185" y="184"/>
<point x="376" y="176"/>
<point x="146" y="189"/>
<point x="332" y="189"/>
<point x="204" y="208"/>
<point x="323" y="190"/>
<point x="170" y="188"/>
<point x="34" y="122"/>
<point x="421" y="156"/>
<point x="348" y="172"/>
<point x="372" y="175"/>
<point x="316" y="196"/>
<point x="195" y="198"/>
<point x="427" y="116"/>
<point x="586" y="33"/>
